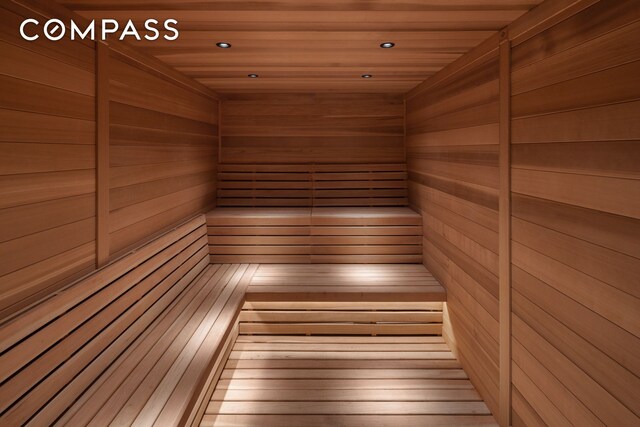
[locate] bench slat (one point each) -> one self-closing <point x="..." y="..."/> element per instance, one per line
<point x="130" y="398"/>
<point x="315" y="235"/>
<point x="261" y="185"/>
<point x="175" y="407"/>
<point x="130" y="343"/>
<point x="66" y="371"/>
<point x="124" y="361"/>
<point x="18" y="356"/>
<point x="21" y="326"/>
<point x="84" y="384"/>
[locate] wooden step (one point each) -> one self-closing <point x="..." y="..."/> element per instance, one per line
<point x="350" y="283"/>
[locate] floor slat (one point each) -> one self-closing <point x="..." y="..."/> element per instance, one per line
<point x="274" y="380"/>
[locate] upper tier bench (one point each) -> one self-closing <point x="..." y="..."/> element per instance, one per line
<point x="315" y="235"/>
<point x="312" y="185"/>
<point x="314" y="213"/>
<point x="133" y="343"/>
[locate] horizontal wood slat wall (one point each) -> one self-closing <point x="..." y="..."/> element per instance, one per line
<point x="312" y="128"/>
<point x="163" y="152"/>
<point x="47" y="161"/>
<point x="576" y="220"/>
<point x="300" y="185"/>
<point x="452" y="159"/>
<point x="162" y="147"/>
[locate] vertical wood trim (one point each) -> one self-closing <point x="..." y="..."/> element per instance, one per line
<point x="404" y="137"/>
<point x="505" y="231"/>
<point x="544" y="16"/>
<point x="219" y="158"/>
<point x="102" y="154"/>
<point x="220" y="103"/>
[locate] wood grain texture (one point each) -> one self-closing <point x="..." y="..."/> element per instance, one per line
<point x="307" y="185"/>
<point x="452" y="157"/>
<point x="315" y="235"/>
<point x="154" y="382"/>
<point x="47" y="171"/>
<point x="573" y="190"/>
<point x="314" y="46"/>
<point x="107" y="135"/>
<point x="54" y="351"/>
<point x="355" y="284"/>
<point x="163" y="152"/>
<point x="328" y="379"/>
<point x="504" y="231"/>
<point x="312" y="128"/>
<point x="102" y="154"/>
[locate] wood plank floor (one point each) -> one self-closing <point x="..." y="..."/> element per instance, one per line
<point x="344" y="282"/>
<point x="279" y="380"/>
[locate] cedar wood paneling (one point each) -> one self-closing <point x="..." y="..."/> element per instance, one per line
<point x="163" y="152"/>
<point x="313" y="45"/>
<point x="574" y="178"/>
<point x="47" y="161"/>
<point x="162" y="149"/>
<point x="452" y="158"/>
<point x="312" y="128"/>
<point x="576" y="220"/>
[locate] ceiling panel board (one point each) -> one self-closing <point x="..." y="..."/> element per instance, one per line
<point x="313" y="45"/>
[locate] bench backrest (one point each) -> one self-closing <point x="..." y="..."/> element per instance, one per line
<point x="52" y="352"/>
<point x="308" y="185"/>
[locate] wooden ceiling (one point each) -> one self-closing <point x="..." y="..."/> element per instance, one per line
<point x="313" y="45"/>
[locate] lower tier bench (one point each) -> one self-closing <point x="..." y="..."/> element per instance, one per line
<point x="345" y="282"/>
<point x="132" y="343"/>
<point x="158" y="379"/>
<point x="315" y="235"/>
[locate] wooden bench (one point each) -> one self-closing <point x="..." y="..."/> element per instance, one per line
<point x="314" y="213"/>
<point x="315" y="235"/>
<point x="351" y="283"/>
<point x="308" y="185"/>
<point x="134" y="342"/>
<point x="366" y="235"/>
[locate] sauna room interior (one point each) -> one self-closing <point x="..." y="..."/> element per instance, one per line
<point x="306" y="213"/>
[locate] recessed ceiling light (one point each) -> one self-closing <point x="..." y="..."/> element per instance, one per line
<point x="223" y="45"/>
<point x="387" y="45"/>
<point x="366" y="76"/>
<point x="253" y="76"/>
